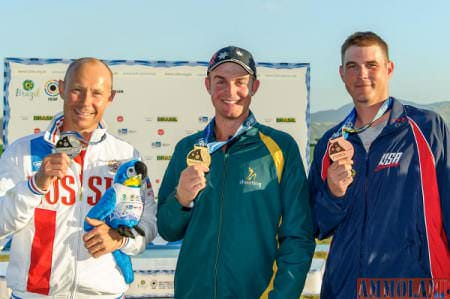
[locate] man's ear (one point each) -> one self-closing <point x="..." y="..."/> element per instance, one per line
<point x="341" y="72"/>
<point x="111" y="97"/>
<point x="390" y="68"/>
<point x="61" y="88"/>
<point x="208" y="85"/>
<point x="255" y="87"/>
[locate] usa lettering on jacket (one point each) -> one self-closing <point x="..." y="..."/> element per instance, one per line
<point x="389" y="160"/>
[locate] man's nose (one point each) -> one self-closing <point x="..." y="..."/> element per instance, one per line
<point x="86" y="96"/>
<point x="363" y="71"/>
<point x="230" y="88"/>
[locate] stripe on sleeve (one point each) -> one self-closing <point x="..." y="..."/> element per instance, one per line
<point x="439" y="255"/>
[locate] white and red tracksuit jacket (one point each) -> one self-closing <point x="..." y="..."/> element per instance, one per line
<point x="47" y="257"/>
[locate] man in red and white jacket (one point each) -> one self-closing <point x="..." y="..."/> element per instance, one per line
<point x="45" y="196"/>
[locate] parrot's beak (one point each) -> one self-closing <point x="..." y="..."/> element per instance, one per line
<point x="134" y="181"/>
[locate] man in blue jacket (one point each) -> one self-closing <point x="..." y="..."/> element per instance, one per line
<point x="380" y="182"/>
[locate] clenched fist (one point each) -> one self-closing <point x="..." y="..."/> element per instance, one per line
<point x="339" y="176"/>
<point x="53" y="166"/>
<point x="192" y="180"/>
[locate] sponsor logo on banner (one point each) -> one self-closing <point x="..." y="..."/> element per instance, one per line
<point x="148" y="118"/>
<point x="161" y="132"/>
<point x="286" y="120"/>
<point x="190" y="131"/>
<point x="27" y="90"/>
<point x="51" y="89"/>
<point x="154" y="283"/>
<point x="203" y="119"/>
<point x="125" y="131"/>
<point x="118" y="91"/>
<point x="28" y="85"/>
<point x="157" y="181"/>
<point x="163" y="157"/>
<point x="42" y="117"/>
<point x="250" y="179"/>
<point x="122" y="131"/>
<point x="167" y="119"/>
<point x="158" y="144"/>
<point x="119" y="118"/>
<point x="36" y="130"/>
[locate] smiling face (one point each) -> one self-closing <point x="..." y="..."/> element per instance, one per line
<point x="86" y="91"/>
<point x="365" y="72"/>
<point x="231" y="88"/>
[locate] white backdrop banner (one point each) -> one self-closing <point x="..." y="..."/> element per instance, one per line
<point x="156" y="104"/>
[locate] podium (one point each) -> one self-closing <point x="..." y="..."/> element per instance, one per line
<point x="154" y="271"/>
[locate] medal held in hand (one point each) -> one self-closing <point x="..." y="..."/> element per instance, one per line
<point x="68" y="143"/>
<point x="339" y="148"/>
<point x="198" y="156"/>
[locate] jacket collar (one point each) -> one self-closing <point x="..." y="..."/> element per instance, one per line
<point x="398" y="117"/>
<point x="397" y="111"/>
<point x="53" y="132"/>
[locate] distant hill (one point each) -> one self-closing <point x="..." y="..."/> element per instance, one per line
<point x="321" y="121"/>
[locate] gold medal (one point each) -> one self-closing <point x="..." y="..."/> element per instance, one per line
<point x="339" y="148"/>
<point x="198" y="156"/>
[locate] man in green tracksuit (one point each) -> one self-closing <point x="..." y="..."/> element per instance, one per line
<point x="236" y="193"/>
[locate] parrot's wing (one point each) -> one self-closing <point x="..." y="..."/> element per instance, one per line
<point x="103" y="208"/>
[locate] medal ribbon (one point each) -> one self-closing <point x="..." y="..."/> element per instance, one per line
<point x="208" y="132"/>
<point x="349" y="122"/>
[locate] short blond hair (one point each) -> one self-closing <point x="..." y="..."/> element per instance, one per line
<point x="364" y="39"/>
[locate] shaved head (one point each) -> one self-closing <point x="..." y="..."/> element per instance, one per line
<point x="76" y="64"/>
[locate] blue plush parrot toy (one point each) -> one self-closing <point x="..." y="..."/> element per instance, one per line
<point x="121" y="208"/>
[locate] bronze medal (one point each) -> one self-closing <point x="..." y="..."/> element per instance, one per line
<point x="198" y="156"/>
<point x="339" y="148"/>
<point x="68" y="144"/>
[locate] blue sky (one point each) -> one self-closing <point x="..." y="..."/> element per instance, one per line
<point x="274" y="31"/>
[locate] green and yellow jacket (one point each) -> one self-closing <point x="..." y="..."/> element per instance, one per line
<point x="249" y="233"/>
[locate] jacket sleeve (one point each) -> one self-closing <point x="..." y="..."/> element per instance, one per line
<point x="328" y="211"/>
<point x="147" y="222"/>
<point x="295" y="235"/>
<point x="17" y="199"/>
<point x="173" y="218"/>
<point x="443" y="174"/>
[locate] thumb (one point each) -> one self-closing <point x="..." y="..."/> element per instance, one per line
<point x="94" y="222"/>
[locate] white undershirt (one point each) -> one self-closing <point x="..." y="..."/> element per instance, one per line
<point x="368" y="136"/>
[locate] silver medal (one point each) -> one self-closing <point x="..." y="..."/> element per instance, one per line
<point x="68" y="143"/>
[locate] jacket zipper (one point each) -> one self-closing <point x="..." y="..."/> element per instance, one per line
<point x="80" y="240"/>
<point x="220" y="225"/>
<point x="365" y="213"/>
